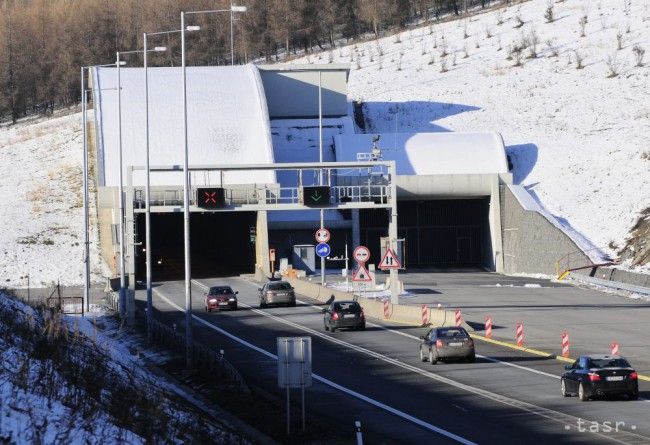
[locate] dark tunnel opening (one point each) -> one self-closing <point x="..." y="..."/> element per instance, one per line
<point x="220" y="245"/>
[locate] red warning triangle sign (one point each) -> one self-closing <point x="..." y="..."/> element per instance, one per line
<point x="389" y="261"/>
<point x="361" y="274"/>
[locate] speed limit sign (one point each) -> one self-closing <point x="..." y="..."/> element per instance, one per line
<point x="361" y="254"/>
<point x="322" y="235"/>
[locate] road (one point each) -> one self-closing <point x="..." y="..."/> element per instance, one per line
<point x="376" y="377"/>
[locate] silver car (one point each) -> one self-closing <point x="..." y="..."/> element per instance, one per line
<point x="447" y="343"/>
<point x="277" y="292"/>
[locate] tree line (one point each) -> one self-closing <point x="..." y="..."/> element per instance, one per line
<point x="43" y="43"/>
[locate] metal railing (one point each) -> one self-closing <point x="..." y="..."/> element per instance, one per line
<point x="372" y="191"/>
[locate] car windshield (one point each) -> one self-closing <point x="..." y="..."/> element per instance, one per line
<point x="347" y="306"/>
<point x="452" y="332"/>
<point x="608" y="363"/>
<point x="220" y="291"/>
<point x="279" y="286"/>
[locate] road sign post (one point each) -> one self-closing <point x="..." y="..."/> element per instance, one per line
<point x="323" y="249"/>
<point x="294" y="369"/>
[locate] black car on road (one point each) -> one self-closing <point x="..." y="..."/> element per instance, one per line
<point x="600" y="375"/>
<point x="344" y="314"/>
<point x="442" y="343"/>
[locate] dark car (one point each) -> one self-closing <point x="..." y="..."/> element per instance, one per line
<point x="600" y="375"/>
<point x="277" y="292"/>
<point x="344" y="314"/>
<point x="447" y="343"/>
<point x="220" y="297"/>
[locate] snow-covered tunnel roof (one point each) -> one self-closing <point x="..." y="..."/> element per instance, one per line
<point x="227" y="120"/>
<point x="431" y="153"/>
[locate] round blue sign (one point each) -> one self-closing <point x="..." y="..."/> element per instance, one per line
<point x="323" y="250"/>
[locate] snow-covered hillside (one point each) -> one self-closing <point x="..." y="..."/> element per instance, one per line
<point x="62" y="381"/>
<point x="578" y="138"/>
<point x="41" y="204"/>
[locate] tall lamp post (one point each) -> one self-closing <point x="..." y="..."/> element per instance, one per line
<point x="186" y="181"/>
<point x="233" y="9"/>
<point x="148" y="176"/>
<point x="118" y="63"/>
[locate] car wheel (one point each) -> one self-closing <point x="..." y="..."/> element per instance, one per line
<point x="293" y="303"/>
<point x="634" y="395"/>
<point x="263" y="304"/>
<point x="423" y="357"/>
<point x="432" y="358"/>
<point x="581" y="393"/>
<point x="362" y="327"/>
<point x="325" y="325"/>
<point x="332" y="329"/>
<point x="209" y="309"/>
<point x="471" y="358"/>
<point x="565" y="393"/>
<point x="234" y="308"/>
<point x="206" y="309"/>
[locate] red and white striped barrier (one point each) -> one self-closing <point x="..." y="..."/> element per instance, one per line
<point x="565" y="344"/>
<point x="520" y="334"/>
<point x="459" y="318"/>
<point x="425" y="314"/>
<point x="386" y="308"/>
<point x="614" y="347"/>
<point x="488" y="327"/>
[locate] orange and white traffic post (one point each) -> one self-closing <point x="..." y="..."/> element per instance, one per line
<point x="565" y="344"/>
<point x="425" y="314"/>
<point x="519" y="334"/>
<point x="459" y="318"/>
<point x="386" y="308"/>
<point x="488" y="327"/>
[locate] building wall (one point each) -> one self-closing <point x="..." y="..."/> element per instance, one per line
<point x="531" y="243"/>
<point x="292" y="90"/>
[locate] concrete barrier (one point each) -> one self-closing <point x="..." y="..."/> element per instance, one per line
<point x="399" y="313"/>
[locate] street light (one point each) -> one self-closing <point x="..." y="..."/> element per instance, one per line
<point x="118" y="63"/>
<point x="186" y="182"/>
<point x="148" y="181"/>
<point x="231" y="10"/>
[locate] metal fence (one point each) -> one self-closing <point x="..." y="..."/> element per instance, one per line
<point x="203" y="357"/>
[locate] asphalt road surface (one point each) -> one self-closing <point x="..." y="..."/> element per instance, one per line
<point x="376" y="377"/>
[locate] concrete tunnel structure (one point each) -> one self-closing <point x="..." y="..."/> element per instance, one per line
<point x="457" y="206"/>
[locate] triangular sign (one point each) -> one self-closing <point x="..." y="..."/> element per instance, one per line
<point x="389" y="261"/>
<point x="361" y="274"/>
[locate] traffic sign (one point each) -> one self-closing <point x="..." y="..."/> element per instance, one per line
<point x="211" y="198"/>
<point x="361" y="274"/>
<point x="316" y="196"/>
<point x="361" y="254"/>
<point x="389" y="261"/>
<point x="323" y="250"/>
<point x="322" y="235"/>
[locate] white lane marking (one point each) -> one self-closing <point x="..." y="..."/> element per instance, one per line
<point x="321" y="379"/>
<point x="557" y="416"/>
<point x="485" y="357"/>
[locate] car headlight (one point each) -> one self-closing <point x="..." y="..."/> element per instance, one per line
<point x="231" y="299"/>
<point x="213" y="300"/>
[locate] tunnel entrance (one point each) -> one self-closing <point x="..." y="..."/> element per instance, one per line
<point x="220" y="245"/>
<point x="438" y="233"/>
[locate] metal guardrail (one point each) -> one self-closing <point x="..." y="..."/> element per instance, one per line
<point x="609" y="284"/>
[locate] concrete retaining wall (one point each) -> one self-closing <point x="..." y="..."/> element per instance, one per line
<point x="374" y="308"/>
<point x="531" y="243"/>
